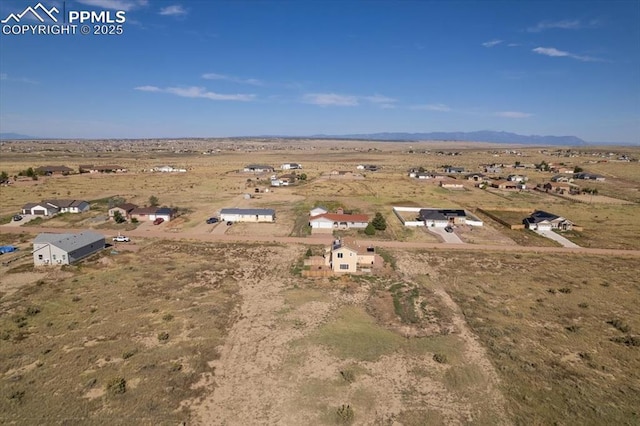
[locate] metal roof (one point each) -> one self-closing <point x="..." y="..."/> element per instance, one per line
<point x="70" y="242"/>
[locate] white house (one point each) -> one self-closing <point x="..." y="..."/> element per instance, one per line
<point x="64" y="249"/>
<point x="291" y="166"/>
<point x="247" y="215"/>
<point x="257" y="168"/>
<point x="544" y="221"/>
<point x="162" y="213"/>
<point x="339" y="221"/>
<point x="40" y="209"/>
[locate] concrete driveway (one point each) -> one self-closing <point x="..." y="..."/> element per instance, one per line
<point x="446" y="237"/>
<point x="559" y="238"/>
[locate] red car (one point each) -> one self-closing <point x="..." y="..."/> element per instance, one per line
<point x="158" y="221"/>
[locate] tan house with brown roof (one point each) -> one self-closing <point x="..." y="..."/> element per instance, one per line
<point x="347" y="256"/>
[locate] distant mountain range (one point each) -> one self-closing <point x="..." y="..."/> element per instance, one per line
<point x="479" y="136"/>
<point x="14" y="136"/>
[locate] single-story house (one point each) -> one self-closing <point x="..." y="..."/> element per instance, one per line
<point x="291" y="166"/>
<point x="51" y="207"/>
<point x="257" y="168"/>
<point x="69" y="206"/>
<point x="442" y="217"/>
<point x="339" y="221"/>
<point x="561" y="187"/>
<point x="568" y="170"/>
<point x="507" y="185"/>
<point x="451" y="169"/>
<point x="40" y="209"/>
<point x="247" y="215"/>
<point x="64" y="249"/>
<point x="493" y="168"/>
<point x="125" y="210"/>
<point x="53" y="170"/>
<point x="544" y="221"/>
<point x="89" y="168"/>
<point x="143" y="213"/>
<point x="168" y="169"/>
<point x="368" y="167"/>
<point x="476" y="177"/>
<point x="517" y="178"/>
<point x="346" y="256"/>
<point x="589" y="176"/>
<point x="318" y="211"/>
<point x="562" y="178"/>
<point x="451" y="184"/>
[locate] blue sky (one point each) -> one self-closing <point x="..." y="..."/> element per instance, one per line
<point x="240" y="68"/>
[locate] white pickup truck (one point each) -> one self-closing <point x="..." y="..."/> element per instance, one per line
<point x="121" y="239"/>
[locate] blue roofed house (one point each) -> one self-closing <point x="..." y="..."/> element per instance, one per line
<point x="64" y="249"/>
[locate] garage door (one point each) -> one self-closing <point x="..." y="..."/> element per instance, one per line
<point x="39" y="212"/>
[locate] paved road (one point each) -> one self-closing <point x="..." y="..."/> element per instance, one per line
<point x="326" y="239"/>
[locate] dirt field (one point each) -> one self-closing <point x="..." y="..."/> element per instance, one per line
<point x="213" y="325"/>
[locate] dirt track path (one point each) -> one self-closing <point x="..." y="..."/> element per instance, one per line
<point x="326" y="239"/>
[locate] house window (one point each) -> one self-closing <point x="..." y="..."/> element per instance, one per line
<point x="39" y="257"/>
<point x="344" y="266"/>
<point x="340" y="255"/>
<point x="64" y="257"/>
<point x="54" y="257"/>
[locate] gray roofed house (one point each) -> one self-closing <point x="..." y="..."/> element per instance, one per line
<point x="64" y="249"/>
<point x="442" y="217"/>
<point x="247" y="215"/>
<point x="541" y="220"/>
<point x="72" y="206"/>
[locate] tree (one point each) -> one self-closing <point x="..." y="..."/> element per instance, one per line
<point x="370" y="230"/>
<point x="421" y="169"/>
<point x="303" y="176"/>
<point x="309" y="253"/>
<point x="153" y="201"/>
<point x="117" y="216"/>
<point x="379" y="222"/>
<point x="4" y="176"/>
<point x="578" y="169"/>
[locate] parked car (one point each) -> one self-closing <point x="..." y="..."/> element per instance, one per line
<point x="121" y="239"/>
<point x="212" y="220"/>
<point x="158" y="221"/>
<point x="17" y="218"/>
<point x="448" y="229"/>
<point x="229" y="223"/>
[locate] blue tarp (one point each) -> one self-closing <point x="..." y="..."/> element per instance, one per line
<point x="7" y="249"/>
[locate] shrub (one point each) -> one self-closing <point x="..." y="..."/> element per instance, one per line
<point x="345" y="414"/>
<point x="163" y="336"/>
<point x="379" y="222"/>
<point x="440" y="358"/>
<point x="619" y="325"/>
<point x="583" y="305"/>
<point x="564" y="290"/>
<point x="33" y="310"/>
<point x="370" y="229"/>
<point x="348" y="376"/>
<point x="167" y="317"/>
<point x="129" y="354"/>
<point x="631" y="341"/>
<point x="117" y="386"/>
<point x="573" y="328"/>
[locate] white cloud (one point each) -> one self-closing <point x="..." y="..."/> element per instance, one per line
<point x="566" y="24"/>
<point x="491" y="43"/>
<point x="381" y="101"/>
<point x="513" y="114"/>
<point x="327" y="99"/>
<point x="214" y="76"/>
<point x="125" y="5"/>
<point x="174" y="10"/>
<point x="432" y="107"/>
<point x="553" y="52"/>
<point x="196" y="92"/>
<point x="5" y="77"/>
